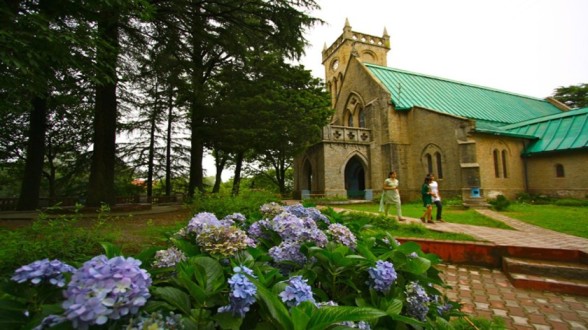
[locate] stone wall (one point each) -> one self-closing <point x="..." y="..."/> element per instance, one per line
<point x="543" y="179"/>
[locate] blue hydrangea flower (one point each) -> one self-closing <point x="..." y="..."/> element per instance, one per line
<point x="43" y="270"/>
<point x="104" y="289"/>
<point x="296" y="292"/>
<point x="201" y="220"/>
<point x="156" y="321"/>
<point x="168" y="258"/>
<point x="50" y="321"/>
<point x="342" y="235"/>
<point x="417" y="301"/>
<point x="382" y="276"/>
<point x="242" y="294"/>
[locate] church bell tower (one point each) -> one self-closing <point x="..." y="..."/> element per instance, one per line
<point x="369" y="49"/>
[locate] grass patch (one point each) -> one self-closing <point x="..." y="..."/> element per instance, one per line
<point x="374" y="225"/>
<point x="564" y="219"/>
<point x="453" y="215"/>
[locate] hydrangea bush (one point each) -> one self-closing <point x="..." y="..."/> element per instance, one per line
<point x="295" y="267"/>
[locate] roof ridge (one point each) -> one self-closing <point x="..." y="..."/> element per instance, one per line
<point x="455" y="81"/>
<point x="563" y="114"/>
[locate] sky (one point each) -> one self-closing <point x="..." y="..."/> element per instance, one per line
<point x="528" y="47"/>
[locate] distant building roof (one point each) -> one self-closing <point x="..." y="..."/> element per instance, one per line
<point x="560" y="132"/>
<point x="489" y="107"/>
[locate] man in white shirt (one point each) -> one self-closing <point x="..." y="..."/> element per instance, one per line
<point x="436" y="197"/>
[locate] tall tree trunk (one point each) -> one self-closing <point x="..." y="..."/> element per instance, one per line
<point x="101" y="185"/>
<point x="170" y="107"/>
<point x="220" y="160"/>
<point x="196" y="151"/>
<point x="151" y="157"/>
<point x="237" y="178"/>
<point x="31" y="183"/>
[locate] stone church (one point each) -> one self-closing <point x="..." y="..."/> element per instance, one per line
<point x="479" y="142"/>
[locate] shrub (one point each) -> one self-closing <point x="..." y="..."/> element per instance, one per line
<point x="223" y="205"/>
<point x="323" y="276"/>
<point x="500" y="203"/>
<point x="571" y="202"/>
<point x="62" y="238"/>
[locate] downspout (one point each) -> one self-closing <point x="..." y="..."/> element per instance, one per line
<point x="525" y="169"/>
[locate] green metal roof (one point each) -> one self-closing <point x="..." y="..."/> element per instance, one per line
<point x="487" y="106"/>
<point x="564" y="131"/>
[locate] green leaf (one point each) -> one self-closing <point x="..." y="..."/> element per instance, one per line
<point x="274" y="305"/>
<point x="111" y="250"/>
<point x="409" y="247"/>
<point x="301" y="316"/>
<point x="228" y="321"/>
<point x="174" y="297"/>
<point x="325" y="316"/>
<point x="417" y="265"/>
<point x="395" y="307"/>
<point x="406" y="320"/>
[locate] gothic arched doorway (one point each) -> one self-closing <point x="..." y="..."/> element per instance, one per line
<point x="355" y="178"/>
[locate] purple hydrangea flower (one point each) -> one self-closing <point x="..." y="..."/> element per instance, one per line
<point x="236" y="217"/>
<point x="287" y="251"/>
<point x="201" y="220"/>
<point x="104" y="289"/>
<point x="296" y="292"/>
<point x="417" y="301"/>
<point x="242" y="294"/>
<point x="225" y="241"/>
<point x="41" y="270"/>
<point x="342" y="235"/>
<point x="168" y="258"/>
<point x="382" y="276"/>
<point x="270" y="210"/>
<point x="306" y="212"/>
<point x="292" y="228"/>
<point x="256" y="230"/>
<point x="413" y="255"/>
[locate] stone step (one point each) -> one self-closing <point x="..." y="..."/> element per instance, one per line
<point x="567" y="270"/>
<point x="554" y="276"/>
<point x="552" y="284"/>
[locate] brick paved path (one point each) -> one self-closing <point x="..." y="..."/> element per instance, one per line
<point x="488" y="293"/>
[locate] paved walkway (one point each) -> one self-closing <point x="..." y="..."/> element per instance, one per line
<point x="487" y="292"/>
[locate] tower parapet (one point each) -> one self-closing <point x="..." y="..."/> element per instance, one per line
<point x="368" y="48"/>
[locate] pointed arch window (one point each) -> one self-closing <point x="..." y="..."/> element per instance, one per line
<point x="504" y="164"/>
<point x="439" y="165"/>
<point x="349" y="119"/>
<point x="559" y="171"/>
<point x="429" y="163"/>
<point x="496" y="155"/>
<point x="361" y="118"/>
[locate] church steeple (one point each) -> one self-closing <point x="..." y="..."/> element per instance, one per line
<point x="368" y="48"/>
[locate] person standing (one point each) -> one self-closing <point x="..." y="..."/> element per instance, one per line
<point x="427" y="200"/>
<point x="436" y="197"/>
<point x="390" y="195"/>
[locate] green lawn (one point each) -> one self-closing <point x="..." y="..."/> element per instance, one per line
<point x="571" y="220"/>
<point x="450" y="214"/>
